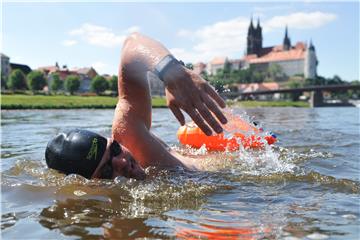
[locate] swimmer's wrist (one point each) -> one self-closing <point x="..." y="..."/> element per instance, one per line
<point x="174" y="73"/>
<point x="167" y="67"/>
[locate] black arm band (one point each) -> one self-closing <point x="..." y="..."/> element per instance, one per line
<point x="164" y="65"/>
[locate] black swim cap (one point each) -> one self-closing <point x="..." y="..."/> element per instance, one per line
<point x="76" y="151"/>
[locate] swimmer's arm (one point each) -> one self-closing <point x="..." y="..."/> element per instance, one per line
<point x="130" y="131"/>
<point x="184" y="88"/>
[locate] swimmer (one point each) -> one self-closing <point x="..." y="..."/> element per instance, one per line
<point x="132" y="147"/>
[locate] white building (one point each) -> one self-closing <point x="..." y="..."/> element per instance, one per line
<point x="299" y="59"/>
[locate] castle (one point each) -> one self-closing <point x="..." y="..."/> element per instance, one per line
<point x="298" y="59"/>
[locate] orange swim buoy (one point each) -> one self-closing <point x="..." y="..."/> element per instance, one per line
<point x="245" y="134"/>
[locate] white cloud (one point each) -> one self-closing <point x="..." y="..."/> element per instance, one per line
<point x="300" y="20"/>
<point x="101" y="36"/>
<point x="133" y="29"/>
<point x="69" y="43"/>
<point x="225" y="38"/>
<point x="99" y="66"/>
<point x="228" y="38"/>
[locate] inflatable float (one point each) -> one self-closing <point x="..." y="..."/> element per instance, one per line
<point x="244" y="133"/>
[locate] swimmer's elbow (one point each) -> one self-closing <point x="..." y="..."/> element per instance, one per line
<point x="132" y="39"/>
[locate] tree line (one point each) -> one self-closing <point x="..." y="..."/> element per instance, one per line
<point x="273" y="73"/>
<point x="228" y="76"/>
<point x="36" y="81"/>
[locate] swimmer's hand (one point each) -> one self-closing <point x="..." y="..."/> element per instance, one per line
<point x="188" y="91"/>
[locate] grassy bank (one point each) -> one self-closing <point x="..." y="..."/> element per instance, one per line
<point x="253" y="104"/>
<point x="63" y="102"/>
<point x="18" y="101"/>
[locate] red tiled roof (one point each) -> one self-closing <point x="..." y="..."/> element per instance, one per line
<point x="49" y="69"/>
<point x="200" y="64"/>
<point x="199" y="67"/>
<point x="277" y="53"/>
<point x="292" y="54"/>
<point x="84" y="70"/>
<point x="63" y="74"/>
<point x="218" y="61"/>
<point x="300" y="45"/>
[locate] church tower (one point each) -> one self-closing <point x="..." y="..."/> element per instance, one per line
<point x="311" y="62"/>
<point x="250" y="38"/>
<point x="258" y="38"/>
<point x="286" y="43"/>
<point x="254" y="38"/>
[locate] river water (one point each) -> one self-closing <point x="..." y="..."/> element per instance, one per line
<point x="305" y="187"/>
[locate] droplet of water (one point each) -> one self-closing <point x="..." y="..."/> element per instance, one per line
<point x="79" y="193"/>
<point x="120" y="179"/>
<point x="317" y="236"/>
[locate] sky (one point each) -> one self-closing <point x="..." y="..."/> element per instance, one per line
<point x="83" y="34"/>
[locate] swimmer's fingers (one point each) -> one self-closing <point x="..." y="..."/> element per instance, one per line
<point x="214" y="95"/>
<point x="178" y="114"/>
<point x="208" y="117"/>
<point x="195" y="116"/>
<point x="213" y="108"/>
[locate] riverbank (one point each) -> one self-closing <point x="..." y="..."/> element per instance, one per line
<point x="18" y="101"/>
<point x="64" y="102"/>
<point x="254" y="104"/>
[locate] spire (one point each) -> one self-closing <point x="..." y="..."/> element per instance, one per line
<point x="251" y="27"/>
<point x="311" y="46"/>
<point x="286" y="43"/>
<point x="258" y="29"/>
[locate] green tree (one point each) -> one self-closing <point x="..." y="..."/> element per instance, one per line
<point x="245" y="75"/>
<point x="17" y="80"/>
<point x="56" y="83"/>
<point x="113" y="84"/>
<point x="204" y="75"/>
<point x="72" y="83"/>
<point x="274" y="71"/>
<point x="335" y="80"/>
<point x="227" y="67"/>
<point x="36" y="80"/>
<point x="99" y="84"/>
<point x="218" y="85"/>
<point x="189" y="66"/>
<point x="295" y="84"/>
<point x="257" y="77"/>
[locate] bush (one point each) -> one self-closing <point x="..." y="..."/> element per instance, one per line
<point x="72" y="83"/>
<point x="56" y="83"/>
<point x="36" y="80"/>
<point x="99" y="84"/>
<point x="113" y="84"/>
<point x="17" y="80"/>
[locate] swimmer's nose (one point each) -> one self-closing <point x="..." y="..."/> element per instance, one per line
<point x="138" y="172"/>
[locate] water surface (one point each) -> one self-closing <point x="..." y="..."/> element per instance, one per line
<point x="306" y="187"/>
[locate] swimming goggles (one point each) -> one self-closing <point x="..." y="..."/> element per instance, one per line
<point x="106" y="171"/>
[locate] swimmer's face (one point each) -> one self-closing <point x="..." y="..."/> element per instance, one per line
<point x="117" y="161"/>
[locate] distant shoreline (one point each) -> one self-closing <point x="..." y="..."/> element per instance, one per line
<point x="19" y="102"/>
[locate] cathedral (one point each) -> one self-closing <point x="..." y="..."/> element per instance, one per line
<point x="297" y="59"/>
